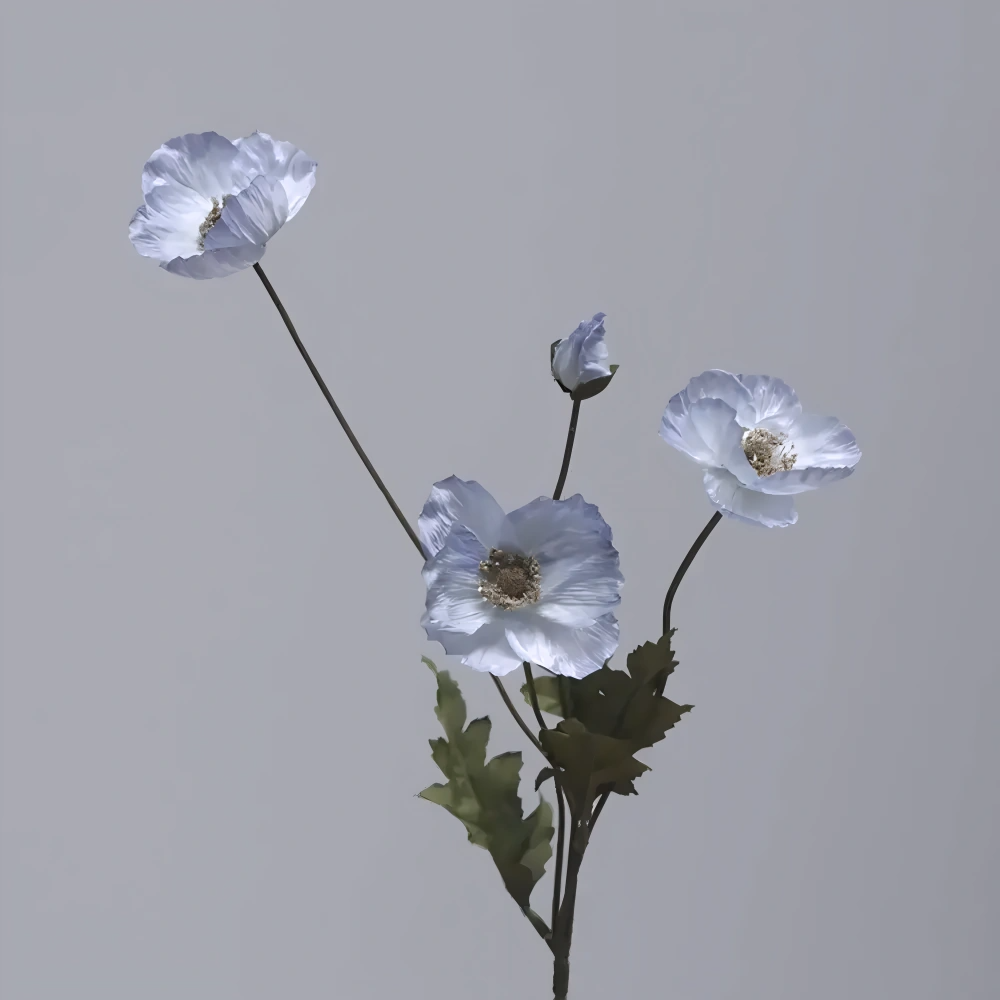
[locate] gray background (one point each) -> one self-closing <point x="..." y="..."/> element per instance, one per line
<point x="214" y="714"/>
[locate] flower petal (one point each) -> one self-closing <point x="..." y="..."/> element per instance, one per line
<point x="735" y="500"/>
<point x="486" y="649"/>
<point x="166" y="233"/>
<point x="216" y="263"/>
<point x="799" y="480"/>
<point x="580" y="578"/>
<point x="452" y="578"/>
<point x="707" y="431"/>
<point x="465" y="502"/>
<point x="284" y="163"/>
<point x="252" y="216"/>
<point x="824" y="442"/>
<point x="775" y="402"/>
<point x="719" y="384"/>
<point x="205" y="162"/>
<point x="562" y="649"/>
<point x="580" y="357"/>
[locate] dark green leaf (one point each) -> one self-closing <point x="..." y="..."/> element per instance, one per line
<point x="620" y="705"/>
<point x="547" y="688"/>
<point x="484" y="796"/>
<point x="589" y="760"/>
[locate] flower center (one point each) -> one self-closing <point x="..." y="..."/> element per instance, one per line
<point x="210" y="220"/>
<point x="768" y="453"/>
<point x="510" y="580"/>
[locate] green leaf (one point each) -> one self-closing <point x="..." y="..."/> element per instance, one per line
<point x="549" y="692"/>
<point x="623" y="706"/>
<point x="589" y="761"/>
<point x="484" y="796"/>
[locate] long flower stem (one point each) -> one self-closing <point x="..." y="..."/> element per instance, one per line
<point x="517" y="716"/>
<point x="561" y="802"/>
<point x="568" y="452"/>
<point x="269" y="288"/>
<point x="685" y="565"/>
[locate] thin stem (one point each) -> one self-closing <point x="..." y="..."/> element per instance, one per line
<point x="685" y="565"/>
<point x="561" y="802"/>
<point x="517" y="716"/>
<point x="269" y="288"/>
<point x="560" y="852"/>
<point x="533" y="695"/>
<point x="568" y="453"/>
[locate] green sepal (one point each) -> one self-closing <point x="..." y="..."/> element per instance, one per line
<point x="484" y="796"/>
<point x="543" y="775"/>
<point x="587" y="390"/>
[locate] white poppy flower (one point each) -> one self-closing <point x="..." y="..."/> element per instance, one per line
<point x="756" y="445"/>
<point x="535" y="585"/>
<point x="580" y="357"/>
<point x="211" y="205"/>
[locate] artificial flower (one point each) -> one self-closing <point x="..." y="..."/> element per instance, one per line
<point x="755" y="444"/>
<point x="580" y="357"/>
<point x="211" y="205"/>
<point x="537" y="585"/>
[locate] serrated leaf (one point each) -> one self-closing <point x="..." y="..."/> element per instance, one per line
<point x="622" y="705"/>
<point x="589" y="761"/>
<point x="484" y="796"/>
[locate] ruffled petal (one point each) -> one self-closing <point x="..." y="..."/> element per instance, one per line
<point x="775" y="403"/>
<point x="824" y="442"/>
<point x="580" y="357"/>
<point x="461" y="501"/>
<point x="562" y="649"/>
<point x="799" y="480"/>
<point x="252" y="216"/>
<point x="205" y="162"/>
<point x="705" y="430"/>
<point x="580" y="578"/>
<point x="216" y="263"/>
<point x="719" y="384"/>
<point x="486" y="649"/>
<point x="735" y="500"/>
<point x="452" y="578"/>
<point x="283" y="162"/>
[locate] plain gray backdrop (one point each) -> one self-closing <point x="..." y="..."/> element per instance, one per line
<point x="214" y="716"/>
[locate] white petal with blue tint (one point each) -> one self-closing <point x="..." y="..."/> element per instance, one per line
<point x="211" y="205"/>
<point x="581" y="356"/>
<point x="283" y="162"/>
<point x="538" y="584"/>
<point x="563" y="649"/>
<point x="757" y="446"/>
<point x="735" y="500"/>
<point x="466" y="502"/>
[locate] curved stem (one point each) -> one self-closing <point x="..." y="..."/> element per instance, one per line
<point x="533" y="695"/>
<point x="568" y="453"/>
<point x="269" y="288"/>
<point x="684" y="566"/>
<point x="517" y="716"/>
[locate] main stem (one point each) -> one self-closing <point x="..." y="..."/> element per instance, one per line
<point x="568" y="452"/>
<point x="269" y="288"/>
<point x="562" y="937"/>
